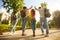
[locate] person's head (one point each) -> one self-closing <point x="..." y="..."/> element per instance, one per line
<point x="24" y="7"/>
<point x="33" y="11"/>
<point x="39" y="8"/>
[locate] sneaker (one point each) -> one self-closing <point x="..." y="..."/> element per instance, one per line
<point x="11" y="33"/>
<point x="23" y="34"/>
<point x="33" y="33"/>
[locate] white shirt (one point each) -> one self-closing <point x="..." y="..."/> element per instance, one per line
<point x="41" y="12"/>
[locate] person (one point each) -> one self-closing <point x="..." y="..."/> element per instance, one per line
<point x="23" y="13"/>
<point x="15" y="21"/>
<point x="33" y="21"/>
<point x="43" y="19"/>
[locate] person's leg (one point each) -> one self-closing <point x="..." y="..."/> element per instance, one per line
<point x="14" y="25"/>
<point x="24" y="20"/>
<point x="41" y="25"/>
<point x="33" y="22"/>
<point x="47" y="26"/>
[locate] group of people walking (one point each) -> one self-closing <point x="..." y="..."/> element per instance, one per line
<point x="23" y="14"/>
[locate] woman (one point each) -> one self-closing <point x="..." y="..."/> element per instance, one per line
<point x="33" y="21"/>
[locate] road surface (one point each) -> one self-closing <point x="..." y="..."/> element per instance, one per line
<point x="53" y="35"/>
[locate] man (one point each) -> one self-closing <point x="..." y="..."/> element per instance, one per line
<point x="43" y="18"/>
<point x="15" y="21"/>
<point x="24" y="18"/>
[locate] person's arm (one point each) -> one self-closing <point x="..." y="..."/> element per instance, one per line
<point x="35" y="8"/>
<point x="30" y="8"/>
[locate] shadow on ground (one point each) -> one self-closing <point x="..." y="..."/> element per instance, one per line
<point x="30" y="37"/>
<point x="23" y="38"/>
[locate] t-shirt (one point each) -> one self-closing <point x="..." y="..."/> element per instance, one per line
<point x="23" y="13"/>
<point x="32" y="15"/>
<point x="41" y="12"/>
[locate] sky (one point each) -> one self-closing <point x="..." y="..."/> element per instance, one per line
<point x="0" y="3"/>
<point x="51" y="4"/>
<point x="1" y="7"/>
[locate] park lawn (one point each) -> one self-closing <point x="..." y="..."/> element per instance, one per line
<point x="54" y="28"/>
<point x="6" y="27"/>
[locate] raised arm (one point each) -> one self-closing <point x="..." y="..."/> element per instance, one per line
<point x="30" y="8"/>
<point x="35" y="8"/>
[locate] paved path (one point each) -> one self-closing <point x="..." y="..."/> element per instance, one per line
<point x="53" y="35"/>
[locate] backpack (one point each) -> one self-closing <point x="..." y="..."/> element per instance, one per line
<point x="47" y="13"/>
<point x="23" y="13"/>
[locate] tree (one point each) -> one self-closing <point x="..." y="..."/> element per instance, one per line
<point x="28" y="20"/>
<point x="56" y="18"/>
<point x="51" y="23"/>
<point x="14" y="5"/>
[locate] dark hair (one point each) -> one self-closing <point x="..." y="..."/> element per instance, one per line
<point x="24" y="7"/>
<point x="39" y="7"/>
<point x="33" y="11"/>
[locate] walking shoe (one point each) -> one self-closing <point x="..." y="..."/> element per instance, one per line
<point x="33" y="33"/>
<point x="23" y="34"/>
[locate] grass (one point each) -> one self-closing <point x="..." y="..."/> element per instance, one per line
<point x="6" y="27"/>
<point x="54" y="28"/>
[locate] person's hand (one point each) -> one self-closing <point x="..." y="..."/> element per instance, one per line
<point x="31" y="6"/>
<point x="34" y="6"/>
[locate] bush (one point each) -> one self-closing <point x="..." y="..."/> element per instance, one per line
<point x="38" y="25"/>
<point x="5" y="22"/>
<point x="5" y="27"/>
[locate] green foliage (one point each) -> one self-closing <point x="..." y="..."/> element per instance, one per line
<point x="56" y="19"/>
<point x="28" y="20"/>
<point x="13" y="4"/>
<point x="5" y="22"/>
<point x="38" y="25"/>
<point x="5" y="27"/>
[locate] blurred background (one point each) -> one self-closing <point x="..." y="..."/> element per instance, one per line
<point x="7" y="8"/>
